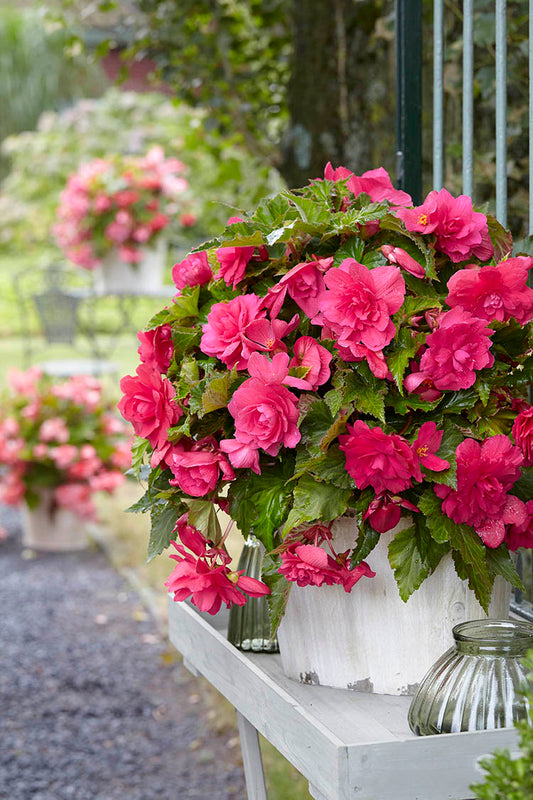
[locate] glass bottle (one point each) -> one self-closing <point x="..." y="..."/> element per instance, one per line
<point x="476" y="685"/>
<point x="249" y="625"/>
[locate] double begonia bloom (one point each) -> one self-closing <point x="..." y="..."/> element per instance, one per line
<point x="156" y="347"/>
<point x="304" y="283"/>
<point x="486" y="471"/>
<point x="387" y="462"/>
<point x="521" y="534"/>
<point x="376" y="183"/>
<point x="499" y="292"/>
<point x="192" y="271"/>
<point x="265" y="413"/>
<point x="233" y="262"/>
<point x="358" y="302"/>
<point x="149" y="404"/>
<point x="197" y="471"/>
<point x="224" y="333"/>
<point x="455" y="351"/>
<point x="54" y="430"/>
<point x="523" y="435"/>
<point x="460" y="231"/>
<point x="308" y="353"/>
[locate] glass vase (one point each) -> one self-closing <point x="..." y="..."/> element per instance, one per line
<point x="249" y="625"/>
<point x="477" y="684"/>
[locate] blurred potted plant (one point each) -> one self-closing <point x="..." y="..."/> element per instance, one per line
<point x="345" y="375"/>
<point x="113" y="214"/>
<point x="59" y="444"/>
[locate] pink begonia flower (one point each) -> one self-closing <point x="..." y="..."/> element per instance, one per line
<point x="77" y="498"/>
<point x="106" y="481"/>
<point x="304" y="283"/>
<point x="12" y="487"/>
<point x="149" y="404"/>
<point x="417" y="383"/>
<point x="460" y="231"/>
<point x="188" y="219"/>
<point x="499" y="292"/>
<point x="265" y="413"/>
<point x="203" y="574"/>
<point x="142" y="234"/>
<point x="456" y="350"/>
<point x="521" y="534"/>
<point x="385" y="510"/>
<point x="197" y="470"/>
<point x="117" y="232"/>
<point x="233" y="220"/>
<point x="224" y="334"/>
<point x="84" y="390"/>
<point x="24" y="383"/>
<point x="426" y="445"/>
<point x="192" y="271"/>
<point x="486" y="471"/>
<point x="359" y="352"/>
<point x="87" y="466"/>
<point x="373" y="458"/>
<point x="396" y="255"/>
<point x="54" y="430"/>
<point x="376" y="183"/>
<point x="523" y="435"/>
<point x="309" y="565"/>
<point x="63" y="456"/>
<point x="41" y="450"/>
<point x="112" y="424"/>
<point x="158" y="222"/>
<point x="126" y="197"/>
<point x="102" y="203"/>
<point x="10" y="450"/>
<point x="266" y="335"/>
<point x="308" y="353"/>
<point x="358" y="303"/>
<point x="233" y="262"/>
<point x="156" y="347"/>
<point x="131" y="255"/>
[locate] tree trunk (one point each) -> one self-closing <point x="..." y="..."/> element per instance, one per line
<point x="340" y="73"/>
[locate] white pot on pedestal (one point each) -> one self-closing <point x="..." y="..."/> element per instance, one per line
<point x="370" y="640"/>
<point x="115" y="276"/>
<point x="51" y="527"/>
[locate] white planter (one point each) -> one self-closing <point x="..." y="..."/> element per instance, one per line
<point x="116" y="277"/>
<point x="48" y="527"/>
<point x="370" y="640"/>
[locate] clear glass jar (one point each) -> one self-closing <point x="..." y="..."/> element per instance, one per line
<point x="249" y="625"/>
<point x="477" y="684"/>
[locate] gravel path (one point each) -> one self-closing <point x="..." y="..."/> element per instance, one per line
<point x="88" y="708"/>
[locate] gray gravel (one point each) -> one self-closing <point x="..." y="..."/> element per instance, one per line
<point x="88" y="708"/>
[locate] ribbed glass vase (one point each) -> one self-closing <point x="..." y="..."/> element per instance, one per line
<point x="476" y="685"/>
<point x="249" y="625"/>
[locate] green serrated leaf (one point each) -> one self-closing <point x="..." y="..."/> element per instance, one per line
<point x="315" y="500"/>
<point x="365" y="397"/>
<point x="203" y="516"/>
<point x="404" y="347"/>
<point x="279" y="591"/>
<point x="439" y="525"/>
<point x="469" y="555"/>
<point x="352" y="248"/>
<point x="523" y="488"/>
<point x="366" y="541"/>
<point x="409" y="566"/>
<point x="163" y="522"/>
<point x="500" y="562"/>
<point x="216" y="393"/>
<point x="142" y="505"/>
<point x="138" y="451"/>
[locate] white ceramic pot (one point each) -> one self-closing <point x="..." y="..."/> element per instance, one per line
<point x="116" y="277"/>
<point x="48" y="527"/>
<point x="370" y="640"/>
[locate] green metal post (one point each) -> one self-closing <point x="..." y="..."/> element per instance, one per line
<point x="409" y="97"/>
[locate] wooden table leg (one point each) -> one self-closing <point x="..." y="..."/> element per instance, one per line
<point x="252" y="761"/>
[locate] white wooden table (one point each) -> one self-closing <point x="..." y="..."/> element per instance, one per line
<point x="349" y="745"/>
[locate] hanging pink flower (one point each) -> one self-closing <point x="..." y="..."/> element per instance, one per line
<point x="308" y="353"/>
<point x="149" y="404"/>
<point x="486" y="471"/>
<point x="396" y="255"/>
<point x="373" y="458"/>
<point x="376" y="183"/>
<point x="385" y="511"/>
<point x="156" y="347"/>
<point x="225" y="332"/>
<point x="197" y="470"/>
<point x="358" y="303"/>
<point x="459" y="230"/>
<point x="310" y="565"/>
<point x="265" y="412"/>
<point x="523" y="435"/>
<point x="233" y="262"/>
<point x="192" y="271"/>
<point x="359" y="352"/>
<point x="499" y="292"/>
<point x="456" y="350"/>
<point x="521" y="534"/>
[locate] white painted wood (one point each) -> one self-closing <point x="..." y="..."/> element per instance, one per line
<point x="190" y="668"/>
<point x="48" y="527"/>
<point x="370" y="640"/>
<point x="348" y="745"/>
<point x="252" y="760"/>
<point x="115" y="275"/>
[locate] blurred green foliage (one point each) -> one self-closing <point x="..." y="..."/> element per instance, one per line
<point x="223" y="176"/>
